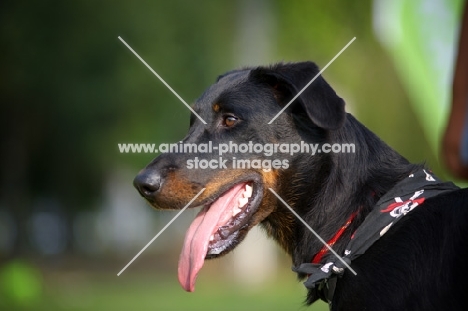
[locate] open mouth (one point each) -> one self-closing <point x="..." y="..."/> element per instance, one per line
<point x="216" y="229"/>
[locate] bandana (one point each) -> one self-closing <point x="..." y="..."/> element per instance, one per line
<point x="394" y="205"/>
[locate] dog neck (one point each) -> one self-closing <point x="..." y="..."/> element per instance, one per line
<point x="337" y="185"/>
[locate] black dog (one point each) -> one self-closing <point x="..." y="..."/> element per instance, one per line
<point x="352" y="200"/>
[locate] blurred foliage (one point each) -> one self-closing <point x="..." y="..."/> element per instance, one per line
<point x="71" y="91"/>
<point x="85" y="291"/>
<point x="423" y="56"/>
<point x="20" y="284"/>
<point x="363" y="75"/>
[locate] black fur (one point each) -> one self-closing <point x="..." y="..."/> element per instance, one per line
<point x="418" y="265"/>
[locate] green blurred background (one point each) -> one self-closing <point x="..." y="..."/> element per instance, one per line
<point x="71" y="91"/>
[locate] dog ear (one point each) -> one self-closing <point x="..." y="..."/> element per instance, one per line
<point x="322" y="105"/>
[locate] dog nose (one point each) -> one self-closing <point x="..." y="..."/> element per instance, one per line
<point x="147" y="183"/>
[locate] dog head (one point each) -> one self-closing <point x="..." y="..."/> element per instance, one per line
<point x="237" y="110"/>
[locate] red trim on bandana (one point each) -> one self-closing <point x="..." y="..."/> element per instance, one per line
<point x="333" y="240"/>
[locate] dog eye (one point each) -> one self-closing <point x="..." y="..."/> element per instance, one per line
<point x="229" y="121"/>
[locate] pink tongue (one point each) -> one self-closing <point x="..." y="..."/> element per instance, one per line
<point x="198" y="235"/>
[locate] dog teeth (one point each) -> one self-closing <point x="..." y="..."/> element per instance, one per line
<point x="248" y="191"/>
<point x="212" y="237"/>
<point x="243" y="201"/>
<point x="236" y="211"/>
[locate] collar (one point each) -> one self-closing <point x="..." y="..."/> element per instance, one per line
<point x="405" y="196"/>
<point x="318" y="257"/>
